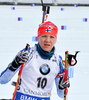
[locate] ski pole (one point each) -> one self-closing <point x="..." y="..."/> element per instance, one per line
<point x="44" y="10"/>
<point x="19" y="76"/>
<point x="66" y="69"/>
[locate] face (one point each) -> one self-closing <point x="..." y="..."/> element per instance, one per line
<point x="47" y="42"/>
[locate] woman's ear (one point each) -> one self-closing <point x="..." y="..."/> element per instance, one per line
<point x="55" y="41"/>
<point x="38" y="39"/>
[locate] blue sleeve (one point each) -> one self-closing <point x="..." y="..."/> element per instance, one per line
<point x="60" y="92"/>
<point x="57" y="79"/>
<point x="7" y="75"/>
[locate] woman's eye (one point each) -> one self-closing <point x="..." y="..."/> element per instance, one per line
<point x="44" y="36"/>
<point x="52" y="36"/>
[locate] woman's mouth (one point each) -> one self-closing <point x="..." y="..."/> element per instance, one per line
<point x="46" y="44"/>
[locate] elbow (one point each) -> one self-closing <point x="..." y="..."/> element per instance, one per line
<point x="4" y="81"/>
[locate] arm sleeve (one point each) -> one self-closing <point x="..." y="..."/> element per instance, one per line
<point x="9" y="72"/>
<point x="60" y="92"/>
<point x="7" y="75"/>
<point x="57" y="79"/>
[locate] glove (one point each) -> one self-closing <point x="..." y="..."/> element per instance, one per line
<point x="22" y="57"/>
<point x="64" y="84"/>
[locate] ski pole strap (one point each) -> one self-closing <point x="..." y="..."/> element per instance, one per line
<point x="70" y="57"/>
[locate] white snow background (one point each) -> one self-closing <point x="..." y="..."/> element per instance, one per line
<point x="14" y="35"/>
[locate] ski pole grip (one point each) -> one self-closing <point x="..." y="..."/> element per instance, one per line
<point x="44" y="8"/>
<point x="66" y="52"/>
<point x="27" y="46"/>
<point x="48" y="9"/>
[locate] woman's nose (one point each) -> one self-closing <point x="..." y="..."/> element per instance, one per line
<point x="47" y="39"/>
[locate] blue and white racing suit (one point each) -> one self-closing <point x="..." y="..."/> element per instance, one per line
<point x="37" y="77"/>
